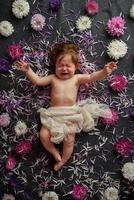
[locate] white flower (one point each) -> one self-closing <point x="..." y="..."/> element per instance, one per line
<point x="6" y="28"/>
<point x="128" y="171"/>
<point x="8" y="197"/>
<point x="50" y="195"/>
<point x="20" y="128"/>
<point x="117" y="49"/>
<point x="131" y="12"/>
<point x="111" y="193"/>
<point x="20" y="8"/>
<point x="83" y="23"/>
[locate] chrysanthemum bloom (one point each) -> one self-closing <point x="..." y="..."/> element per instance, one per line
<point x="37" y="22"/>
<point x="23" y="148"/>
<point x="6" y="28"/>
<point x="118" y="83"/>
<point x="50" y="195"/>
<point x="112" y="120"/>
<point x="124" y="147"/>
<point x="111" y="193"/>
<point x="128" y="171"/>
<point x="4" y="120"/>
<point x="4" y="65"/>
<point x="117" y="49"/>
<point x="20" y="128"/>
<point x="83" y="23"/>
<point x="10" y="163"/>
<point x="91" y="7"/>
<point x="79" y="192"/>
<point x="115" y="26"/>
<point x="20" y="8"/>
<point x="8" y="197"/>
<point x="54" y="4"/>
<point x="131" y="12"/>
<point x="15" y="51"/>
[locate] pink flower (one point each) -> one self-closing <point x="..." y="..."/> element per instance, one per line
<point x="118" y="83"/>
<point x="23" y="148"/>
<point x="10" y="163"/>
<point x="92" y="7"/>
<point x="79" y="192"/>
<point x="15" y="51"/>
<point x="4" y="120"/>
<point x="124" y="147"/>
<point x="115" y="26"/>
<point x="37" y="22"/>
<point x="112" y="120"/>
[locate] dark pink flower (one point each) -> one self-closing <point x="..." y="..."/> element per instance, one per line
<point x="118" y="83"/>
<point x="112" y="120"/>
<point x="15" y="51"/>
<point x="10" y="163"/>
<point x="23" y="148"/>
<point x="91" y="7"/>
<point x="79" y="192"/>
<point x="124" y="147"/>
<point x="115" y="26"/>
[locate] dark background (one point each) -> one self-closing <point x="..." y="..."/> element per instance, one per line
<point x="96" y="169"/>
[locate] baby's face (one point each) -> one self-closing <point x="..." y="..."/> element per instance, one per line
<point x="65" y="68"/>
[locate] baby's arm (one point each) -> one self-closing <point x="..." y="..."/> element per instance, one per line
<point x="99" y="75"/>
<point x="32" y="76"/>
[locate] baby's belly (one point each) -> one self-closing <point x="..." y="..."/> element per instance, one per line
<point x="58" y="101"/>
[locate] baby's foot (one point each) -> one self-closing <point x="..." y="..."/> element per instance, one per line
<point x="58" y="165"/>
<point x="57" y="156"/>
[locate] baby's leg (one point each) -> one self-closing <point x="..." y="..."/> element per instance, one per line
<point x="47" y="144"/>
<point x="68" y="146"/>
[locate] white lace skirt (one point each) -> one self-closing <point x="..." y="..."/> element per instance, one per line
<point x="63" y="120"/>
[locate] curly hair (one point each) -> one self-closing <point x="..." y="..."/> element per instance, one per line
<point x="60" y="49"/>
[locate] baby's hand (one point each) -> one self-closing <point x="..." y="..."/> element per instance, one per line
<point x="23" y="66"/>
<point x="110" y="67"/>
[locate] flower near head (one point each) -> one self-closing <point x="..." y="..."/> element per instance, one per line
<point x="6" y="28"/>
<point x="111" y="193"/>
<point x="20" y="8"/>
<point x="15" y="51"/>
<point x="128" y="171"/>
<point x="4" y="65"/>
<point x="83" y="23"/>
<point x="20" y="128"/>
<point x="115" y="26"/>
<point x="10" y="163"/>
<point x="79" y="192"/>
<point x="37" y="22"/>
<point x="91" y="7"/>
<point x="117" y="49"/>
<point x="118" y="83"/>
<point x="110" y="121"/>
<point x="8" y="197"/>
<point x="50" y="195"/>
<point x="131" y="11"/>
<point x="23" y="148"/>
<point x="124" y="147"/>
<point x="4" y="120"/>
<point x="54" y="4"/>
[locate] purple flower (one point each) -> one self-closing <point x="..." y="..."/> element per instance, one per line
<point x="4" y="120"/>
<point x="4" y="65"/>
<point x="37" y="22"/>
<point x="54" y="5"/>
<point x="23" y="148"/>
<point x="112" y="120"/>
<point x="124" y="147"/>
<point x="10" y="163"/>
<point x="15" y="51"/>
<point x="115" y="26"/>
<point x="79" y="192"/>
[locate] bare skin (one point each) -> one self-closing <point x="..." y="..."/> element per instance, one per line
<point x="65" y="84"/>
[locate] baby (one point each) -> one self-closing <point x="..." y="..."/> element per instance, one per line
<point x="64" y="118"/>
